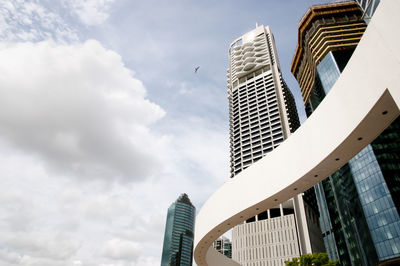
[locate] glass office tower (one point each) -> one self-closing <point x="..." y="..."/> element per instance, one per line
<point x="262" y="115"/>
<point x="179" y="233"/>
<point x="359" y="204"/>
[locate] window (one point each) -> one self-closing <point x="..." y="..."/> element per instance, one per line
<point x="257" y="148"/>
<point x="245" y="153"/>
<point x="256" y="143"/>
<point x="275" y="121"/>
<point x="276" y="126"/>
<point x="267" y="150"/>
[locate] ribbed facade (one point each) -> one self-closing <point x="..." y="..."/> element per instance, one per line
<point x="179" y="233"/>
<point x="359" y="203"/>
<point x="263" y="114"/>
<point x="272" y="241"/>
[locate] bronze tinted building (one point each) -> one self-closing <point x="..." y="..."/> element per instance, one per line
<point x="335" y="28"/>
<point x="359" y="204"/>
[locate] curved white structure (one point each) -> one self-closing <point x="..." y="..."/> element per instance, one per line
<point x="362" y="103"/>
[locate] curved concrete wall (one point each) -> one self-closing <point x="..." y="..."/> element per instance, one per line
<point x="363" y="102"/>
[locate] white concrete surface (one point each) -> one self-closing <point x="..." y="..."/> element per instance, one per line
<point x="363" y="102"/>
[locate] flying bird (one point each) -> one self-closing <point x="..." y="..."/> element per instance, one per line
<point x="196" y="69"/>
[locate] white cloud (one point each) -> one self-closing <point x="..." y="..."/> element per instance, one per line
<point x="76" y="127"/>
<point x="91" y="12"/>
<point x="119" y="249"/>
<point x="79" y="109"/>
<point x="64" y="221"/>
<point x="74" y="113"/>
<point x="31" y="21"/>
<point x="42" y="244"/>
<point x="38" y="20"/>
<point x="9" y="257"/>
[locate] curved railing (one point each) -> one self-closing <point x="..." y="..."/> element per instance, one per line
<point x="362" y="103"/>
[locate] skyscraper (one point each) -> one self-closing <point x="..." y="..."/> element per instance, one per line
<point x="178" y="237"/>
<point x="261" y="107"/>
<point x="359" y="204"/>
<point x="262" y="115"/>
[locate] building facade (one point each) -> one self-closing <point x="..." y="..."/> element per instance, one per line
<point x="261" y="107"/>
<point x="359" y="204"/>
<point x="179" y="233"/>
<point x="224" y="246"/>
<point x="262" y="115"/>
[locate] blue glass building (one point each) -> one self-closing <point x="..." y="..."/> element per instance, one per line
<point x="360" y="203"/>
<point x="179" y="233"/>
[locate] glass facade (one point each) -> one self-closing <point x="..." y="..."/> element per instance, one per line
<point x="348" y="231"/>
<point x="378" y="206"/>
<point x="387" y="151"/>
<point x="369" y="7"/>
<point x="359" y="204"/>
<point x="325" y="223"/>
<point x="179" y="233"/>
<point x="328" y="71"/>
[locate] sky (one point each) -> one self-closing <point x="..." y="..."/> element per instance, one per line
<point x="103" y="122"/>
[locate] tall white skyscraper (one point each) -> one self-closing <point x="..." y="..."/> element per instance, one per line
<point x="262" y="114"/>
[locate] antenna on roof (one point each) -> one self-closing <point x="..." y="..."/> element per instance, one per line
<point x="256" y="24"/>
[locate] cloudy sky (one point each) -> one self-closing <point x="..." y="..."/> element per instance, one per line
<point x="103" y="122"/>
